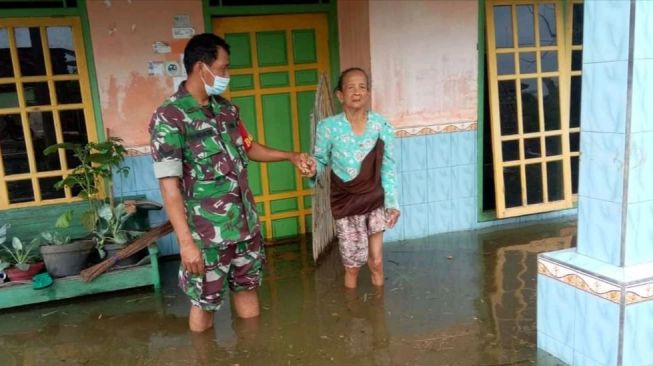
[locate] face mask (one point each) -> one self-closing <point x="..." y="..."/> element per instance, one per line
<point x="219" y="84"/>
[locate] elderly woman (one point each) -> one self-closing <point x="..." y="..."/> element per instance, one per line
<point x="358" y="144"/>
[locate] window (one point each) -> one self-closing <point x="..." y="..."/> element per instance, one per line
<point x="575" y="42"/>
<point x="37" y="4"/>
<point x="44" y="99"/>
<point x="534" y="106"/>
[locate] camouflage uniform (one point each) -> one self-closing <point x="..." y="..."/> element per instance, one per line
<point x="207" y="148"/>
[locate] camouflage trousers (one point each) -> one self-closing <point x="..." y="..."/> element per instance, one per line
<point x="353" y="233"/>
<point x="240" y="264"/>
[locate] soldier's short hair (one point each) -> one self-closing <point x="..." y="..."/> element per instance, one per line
<point x="203" y="48"/>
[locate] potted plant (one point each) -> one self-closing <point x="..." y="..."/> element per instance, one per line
<point x="23" y="259"/>
<point x="61" y="255"/>
<point x="111" y="232"/>
<point x="97" y="163"/>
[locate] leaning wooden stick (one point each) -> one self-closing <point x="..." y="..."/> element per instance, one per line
<point x="136" y="246"/>
<point x="324" y="228"/>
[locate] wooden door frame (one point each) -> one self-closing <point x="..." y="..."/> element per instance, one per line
<point x="331" y="10"/>
<point x="485" y="7"/>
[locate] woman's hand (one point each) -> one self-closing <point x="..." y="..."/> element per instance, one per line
<point x="304" y="163"/>
<point x="391" y="217"/>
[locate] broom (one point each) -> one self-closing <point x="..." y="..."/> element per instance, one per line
<point x="324" y="229"/>
<point x="136" y="246"/>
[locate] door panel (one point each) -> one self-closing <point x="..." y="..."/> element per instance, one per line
<point x="275" y="63"/>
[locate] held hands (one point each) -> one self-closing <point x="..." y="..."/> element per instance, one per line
<point x="391" y="217"/>
<point x="305" y="164"/>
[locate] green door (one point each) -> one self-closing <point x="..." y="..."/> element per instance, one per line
<point x="275" y="64"/>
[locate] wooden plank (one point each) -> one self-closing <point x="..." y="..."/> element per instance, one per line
<point x="74" y="286"/>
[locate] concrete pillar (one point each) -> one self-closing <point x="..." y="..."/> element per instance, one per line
<point x="595" y="302"/>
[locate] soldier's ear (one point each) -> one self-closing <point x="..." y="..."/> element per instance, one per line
<point x="197" y="67"/>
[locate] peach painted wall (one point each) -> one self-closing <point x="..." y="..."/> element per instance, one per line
<point x="424" y="61"/>
<point x="354" y="34"/>
<point x="122" y="32"/>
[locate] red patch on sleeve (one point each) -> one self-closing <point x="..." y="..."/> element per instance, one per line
<point x="247" y="138"/>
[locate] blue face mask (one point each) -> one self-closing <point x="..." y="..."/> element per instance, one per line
<point x="219" y="86"/>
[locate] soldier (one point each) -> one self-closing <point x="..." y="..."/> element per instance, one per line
<point x="201" y="150"/>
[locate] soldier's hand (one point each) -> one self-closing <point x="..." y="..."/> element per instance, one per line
<point x="300" y="160"/>
<point x="311" y="167"/>
<point x="192" y="259"/>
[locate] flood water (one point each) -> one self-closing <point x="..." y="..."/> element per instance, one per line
<point x="455" y="299"/>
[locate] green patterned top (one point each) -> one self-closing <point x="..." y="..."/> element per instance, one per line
<point x="204" y="146"/>
<point x="337" y="144"/>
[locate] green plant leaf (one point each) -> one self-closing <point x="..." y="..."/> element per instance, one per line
<point x="4" y="265"/>
<point x="101" y="158"/>
<point x="135" y="234"/>
<point x="17" y="244"/>
<point x="22" y="266"/>
<point x="66" y="145"/>
<point x="120" y="237"/>
<point x="120" y="210"/>
<point x="88" y="220"/>
<point x="3" y="232"/>
<point x="48" y="237"/>
<point x="106" y="212"/>
<point x="69" y="181"/>
<point x="64" y="220"/>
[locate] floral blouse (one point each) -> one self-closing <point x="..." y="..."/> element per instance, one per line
<point x="337" y="144"/>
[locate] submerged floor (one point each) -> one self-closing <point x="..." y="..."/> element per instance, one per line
<point x="455" y="299"/>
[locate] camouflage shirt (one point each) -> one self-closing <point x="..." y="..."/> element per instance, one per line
<point x="204" y="146"/>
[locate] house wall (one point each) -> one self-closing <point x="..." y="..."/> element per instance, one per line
<point x="122" y="33"/>
<point x="354" y="34"/>
<point x="424" y="70"/>
<point x="424" y="61"/>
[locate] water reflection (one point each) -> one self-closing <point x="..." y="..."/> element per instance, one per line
<point x="510" y="288"/>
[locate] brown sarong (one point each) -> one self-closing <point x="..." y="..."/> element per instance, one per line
<point x="362" y="194"/>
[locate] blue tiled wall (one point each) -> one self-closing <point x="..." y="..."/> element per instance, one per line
<point x="438" y="186"/>
<point x="638" y="332"/>
<point x="640" y="200"/>
<point x="555" y="318"/>
<point x="141" y="181"/>
<point x="567" y="325"/>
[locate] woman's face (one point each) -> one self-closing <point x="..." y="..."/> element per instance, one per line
<point x="354" y="93"/>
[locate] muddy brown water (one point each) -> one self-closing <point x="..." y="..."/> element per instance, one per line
<point x="454" y="299"/>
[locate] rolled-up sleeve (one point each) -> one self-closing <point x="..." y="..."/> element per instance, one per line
<point x="388" y="166"/>
<point x="167" y="142"/>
